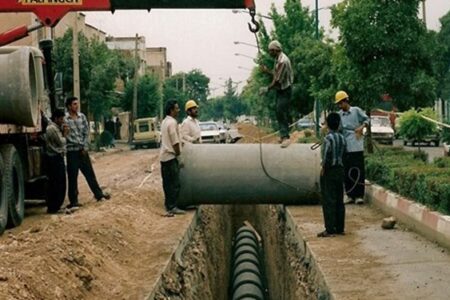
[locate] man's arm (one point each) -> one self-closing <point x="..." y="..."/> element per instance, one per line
<point x="364" y="120"/>
<point x="185" y="133"/>
<point x="277" y="74"/>
<point x="85" y="133"/>
<point x="177" y="149"/>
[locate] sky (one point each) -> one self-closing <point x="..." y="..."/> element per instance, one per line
<point x="204" y="39"/>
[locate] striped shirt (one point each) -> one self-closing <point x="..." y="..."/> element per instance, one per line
<point x="284" y="76"/>
<point x="333" y="149"/>
<point x="78" y="137"/>
<point x="350" y="120"/>
<point x="56" y="143"/>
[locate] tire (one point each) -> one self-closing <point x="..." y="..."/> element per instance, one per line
<point x="3" y="201"/>
<point x="14" y="185"/>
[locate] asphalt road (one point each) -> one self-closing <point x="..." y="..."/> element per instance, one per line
<point x="432" y="151"/>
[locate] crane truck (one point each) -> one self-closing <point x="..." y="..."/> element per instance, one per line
<point x="27" y="95"/>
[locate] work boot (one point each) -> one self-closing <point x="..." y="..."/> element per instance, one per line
<point x="348" y="200"/>
<point x="177" y="211"/>
<point x="359" y="201"/>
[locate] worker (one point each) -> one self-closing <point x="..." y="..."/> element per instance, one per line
<point x="332" y="178"/>
<point x="55" y="140"/>
<point x="169" y="153"/>
<point x="77" y="154"/>
<point x="190" y="128"/>
<point x="282" y="80"/>
<point x="353" y="120"/>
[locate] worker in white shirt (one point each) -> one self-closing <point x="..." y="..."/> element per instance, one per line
<point x="190" y="128"/>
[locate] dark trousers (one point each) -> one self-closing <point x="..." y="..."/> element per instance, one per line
<point x="332" y="187"/>
<point x="355" y="175"/>
<point x="56" y="189"/>
<point x="170" y="172"/>
<point x="282" y="111"/>
<point x="76" y="160"/>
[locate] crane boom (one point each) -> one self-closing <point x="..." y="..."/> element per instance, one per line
<point x="51" y="11"/>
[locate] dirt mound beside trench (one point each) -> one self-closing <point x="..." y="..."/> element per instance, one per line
<point x="253" y="134"/>
<point x="108" y="250"/>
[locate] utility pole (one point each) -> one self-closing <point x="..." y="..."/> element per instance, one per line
<point x="76" y="59"/>
<point x="135" y="88"/>
<point x="424" y="13"/>
<point x="184" y="82"/>
<point x="316" y="101"/>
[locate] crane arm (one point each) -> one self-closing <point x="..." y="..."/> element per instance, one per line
<point x="51" y="11"/>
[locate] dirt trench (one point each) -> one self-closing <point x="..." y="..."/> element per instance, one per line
<point x="203" y="271"/>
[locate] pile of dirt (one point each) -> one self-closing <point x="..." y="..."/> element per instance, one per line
<point x="112" y="249"/>
<point x="253" y="134"/>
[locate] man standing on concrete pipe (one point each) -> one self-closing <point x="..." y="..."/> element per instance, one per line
<point x="190" y="128"/>
<point x="282" y="80"/>
<point x="169" y="153"/>
<point x="353" y="120"/>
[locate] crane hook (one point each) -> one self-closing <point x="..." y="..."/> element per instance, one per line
<point x="257" y="26"/>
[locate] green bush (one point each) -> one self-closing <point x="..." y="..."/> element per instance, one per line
<point x="411" y="177"/>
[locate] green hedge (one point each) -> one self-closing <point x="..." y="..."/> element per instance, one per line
<point x="400" y="172"/>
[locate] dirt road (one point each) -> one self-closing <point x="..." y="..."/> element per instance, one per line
<point x="108" y="250"/>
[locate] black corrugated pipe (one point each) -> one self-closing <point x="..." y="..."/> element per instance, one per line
<point x="247" y="272"/>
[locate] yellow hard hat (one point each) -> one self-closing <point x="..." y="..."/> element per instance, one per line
<point x="341" y="95"/>
<point x="190" y="104"/>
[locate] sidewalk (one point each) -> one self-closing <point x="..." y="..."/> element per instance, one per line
<point x="372" y="263"/>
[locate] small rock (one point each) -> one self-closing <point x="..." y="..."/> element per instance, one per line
<point x="3" y="278"/>
<point x="388" y="223"/>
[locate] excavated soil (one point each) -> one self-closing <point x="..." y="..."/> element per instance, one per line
<point x="108" y="250"/>
<point x="117" y="249"/>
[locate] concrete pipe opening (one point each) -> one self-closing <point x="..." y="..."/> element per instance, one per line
<point x="18" y="86"/>
<point x="249" y="174"/>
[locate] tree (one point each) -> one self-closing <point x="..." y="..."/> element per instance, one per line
<point x="384" y="48"/>
<point x="442" y="58"/>
<point x="227" y="107"/>
<point x="311" y="58"/>
<point x="148" y="97"/>
<point x="99" y="69"/>
<point x="184" y="86"/>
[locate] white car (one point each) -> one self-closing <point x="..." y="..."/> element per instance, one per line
<point x="210" y="132"/>
<point x="381" y="129"/>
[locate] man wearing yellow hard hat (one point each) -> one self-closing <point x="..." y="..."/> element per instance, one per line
<point x="190" y="128"/>
<point x="353" y="121"/>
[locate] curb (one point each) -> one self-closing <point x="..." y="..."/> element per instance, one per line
<point x="431" y="224"/>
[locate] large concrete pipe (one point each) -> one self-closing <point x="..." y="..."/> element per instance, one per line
<point x="19" y="86"/>
<point x="249" y="174"/>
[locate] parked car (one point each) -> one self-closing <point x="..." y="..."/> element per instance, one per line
<point x="210" y="132"/>
<point x="146" y="133"/>
<point x="305" y="123"/>
<point x="223" y="133"/>
<point x="381" y="129"/>
<point x="434" y="138"/>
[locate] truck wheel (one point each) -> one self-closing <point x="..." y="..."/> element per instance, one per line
<point x="3" y="202"/>
<point x="14" y="185"/>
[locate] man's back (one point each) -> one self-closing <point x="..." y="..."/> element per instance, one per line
<point x="169" y="137"/>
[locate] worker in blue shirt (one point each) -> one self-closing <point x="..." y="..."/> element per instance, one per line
<point x="353" y="121"/>
<point x="332" y="178"/>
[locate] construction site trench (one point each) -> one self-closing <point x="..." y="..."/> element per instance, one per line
<point x="202" y="266"/>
